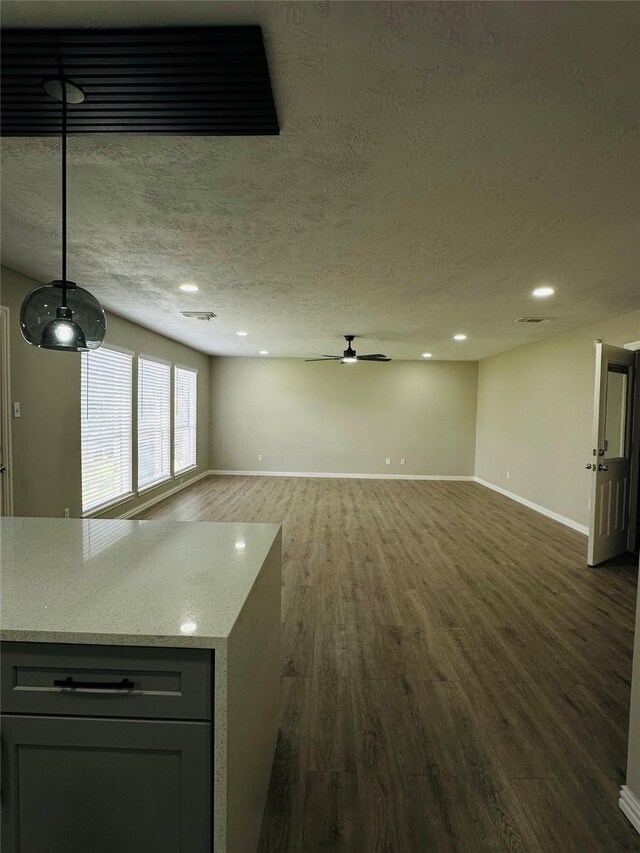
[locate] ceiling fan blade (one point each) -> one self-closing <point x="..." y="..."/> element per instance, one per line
<point x="376" y="356"/>
<point x="325" y="358"/>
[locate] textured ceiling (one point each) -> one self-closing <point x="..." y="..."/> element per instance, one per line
<point x="436" y="162"/>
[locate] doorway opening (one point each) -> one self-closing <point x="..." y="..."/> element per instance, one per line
<point x="634" y="509"/>
<point x="614" y="517"/>
<point x="6" y="490"/>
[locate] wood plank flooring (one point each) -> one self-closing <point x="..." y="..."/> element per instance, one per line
<point x="455" y="677"/>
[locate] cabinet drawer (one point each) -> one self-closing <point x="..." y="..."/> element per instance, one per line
<point x="106" y="681"/>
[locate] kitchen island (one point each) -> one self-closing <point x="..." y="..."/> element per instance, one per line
<point x="140" y="684"/>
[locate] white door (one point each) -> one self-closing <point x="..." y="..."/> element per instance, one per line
<point x="610" y="466"/>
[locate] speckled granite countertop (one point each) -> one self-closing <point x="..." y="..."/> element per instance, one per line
<point x="148" y="583"/>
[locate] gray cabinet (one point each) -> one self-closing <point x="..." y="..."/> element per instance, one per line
<point x="104" y="779"/>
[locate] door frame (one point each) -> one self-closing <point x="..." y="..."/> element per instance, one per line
<point x="602" y="546"/>
<point x="6" y="483"/>
<point x="634" y="479"/>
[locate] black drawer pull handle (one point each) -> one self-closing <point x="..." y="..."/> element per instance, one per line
<point x="125" y="684"/>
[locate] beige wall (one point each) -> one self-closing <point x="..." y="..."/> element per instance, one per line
<point x="334" y="418"/>
<point x="46" y="438"/>
<point x="535" y="410"/>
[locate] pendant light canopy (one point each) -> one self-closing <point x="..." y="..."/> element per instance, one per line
<point x="61" y="315"/>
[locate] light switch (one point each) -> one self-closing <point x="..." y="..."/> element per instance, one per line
<point x="16" y="410"/>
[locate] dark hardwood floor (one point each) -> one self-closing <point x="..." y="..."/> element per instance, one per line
<point x="455" y="678"/>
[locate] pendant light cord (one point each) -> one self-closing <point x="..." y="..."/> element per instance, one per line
<point x="64" y="189"/>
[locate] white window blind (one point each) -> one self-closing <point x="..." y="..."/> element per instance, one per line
<point x="185" y="423"/>
<point x="154" y="422"/>
<point x="106" y="409"/>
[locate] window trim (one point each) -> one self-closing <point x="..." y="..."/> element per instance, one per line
<point x="151" y="486"/>
<point x="185" y="471"/>
<point x="98" y="510"/>
<point x="157" y="359"/>
<point x="116" y="348"/>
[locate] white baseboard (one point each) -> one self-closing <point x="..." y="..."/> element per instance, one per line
<point x="630" y="805"/>
<point x="157" y="498"/>
<point x="562" y="519"/>
<point x="339" y="476"/>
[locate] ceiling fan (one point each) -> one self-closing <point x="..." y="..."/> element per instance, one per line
<point x="349" y="355"/>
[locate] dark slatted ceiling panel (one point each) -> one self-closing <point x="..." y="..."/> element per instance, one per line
<point x="204" y="81"/>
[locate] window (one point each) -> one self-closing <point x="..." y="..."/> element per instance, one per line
<point x="185" y="419"/>
<point x="154" y="422"/>
<point x="106" y="409"/>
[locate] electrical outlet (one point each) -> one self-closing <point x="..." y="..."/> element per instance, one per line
<point x="508" y="474"/>
<point x="259" y="457"/>
<point x="403" y="461"/>
<point x="387" y="461"/>
<point x="66" y="512"/>
<point x="16" y="410"/>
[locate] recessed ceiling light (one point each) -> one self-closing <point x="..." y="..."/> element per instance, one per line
<point x="188" y="287"/>
<point x="426" y="355"/>
<point x="541" y="292"/>
<point x="459" y="337"/>
<point x="264" y="352"/>
<point x="242" y="334"/>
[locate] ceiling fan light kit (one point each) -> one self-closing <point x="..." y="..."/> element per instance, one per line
<point x="349" y="356"/>
<point x="61" y="315"/>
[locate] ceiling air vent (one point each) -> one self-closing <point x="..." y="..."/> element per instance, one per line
<point x="534" y="319"/>
<point x="198" y="315"/>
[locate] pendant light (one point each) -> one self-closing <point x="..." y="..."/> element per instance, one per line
<point x="61" y="315"/>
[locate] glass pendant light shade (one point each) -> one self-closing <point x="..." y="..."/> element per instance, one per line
<point x="62" y="316"/>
